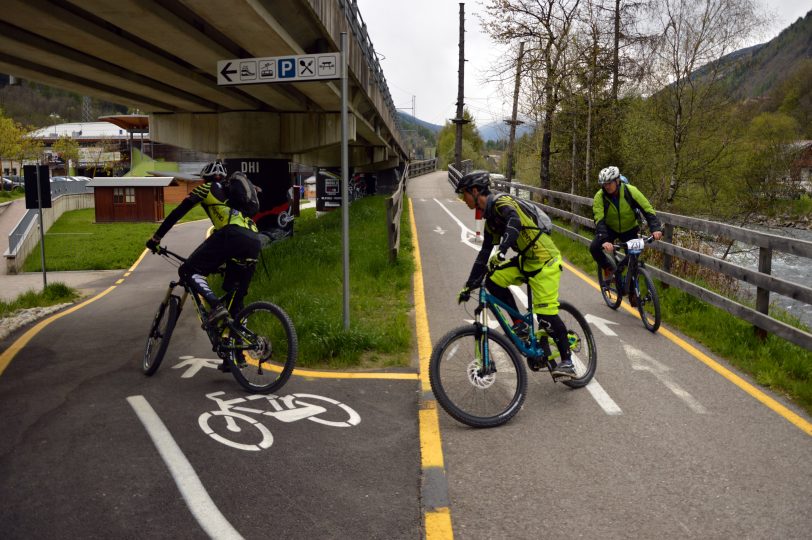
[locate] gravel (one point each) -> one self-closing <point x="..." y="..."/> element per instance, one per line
<point x="23" y="317"/>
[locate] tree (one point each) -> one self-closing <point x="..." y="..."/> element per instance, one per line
<point x="472" y="144"/>
<point x="11" y="136"/>
<point x="544" y="25"/>
<point x="693" y="34"/>
<point x="67" y="148"/>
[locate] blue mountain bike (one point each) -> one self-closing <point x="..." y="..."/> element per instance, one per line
<point x="477" y="374"/>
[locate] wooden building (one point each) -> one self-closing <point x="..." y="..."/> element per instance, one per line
<point x="135" y="198"/>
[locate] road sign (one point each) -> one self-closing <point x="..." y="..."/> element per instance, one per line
<point x="296" y="68"/>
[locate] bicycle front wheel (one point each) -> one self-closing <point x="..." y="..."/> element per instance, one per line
<point x="160" y="333"/>
<point x="262" y="353"/>
<point x="609" y="287"/>
<point x="648" y="302"/>
<point x="468" y="393"/>
<point x="582" y="345"/>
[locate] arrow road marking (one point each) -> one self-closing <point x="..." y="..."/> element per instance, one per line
<point x="195" y="365"/>
<point x="643" y="362"/>
<point x="600" y="324"/>
<point x="439" y="230"/>
<point x="466" y="235"/>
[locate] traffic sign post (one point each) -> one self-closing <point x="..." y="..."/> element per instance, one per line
<point x="303" y="68"/>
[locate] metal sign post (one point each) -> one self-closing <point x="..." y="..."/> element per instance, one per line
<point x="301" y="68"/>
<point x="41" y="231"/>
<point x="345" y="210"/>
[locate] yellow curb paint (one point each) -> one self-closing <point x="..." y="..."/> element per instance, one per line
<point x="437" y="521"/>
<point x="754" y="392"/>
<point x="315" y="374"/>
<point x="438" y="524"/>
<point x="9" y="354"/>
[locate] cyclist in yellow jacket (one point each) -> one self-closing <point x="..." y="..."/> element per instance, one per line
<point x="234" y="242"/>
<point x="614" y="209"/>
<point x="538" y="262"/>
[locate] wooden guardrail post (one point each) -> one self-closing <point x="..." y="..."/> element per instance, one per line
<point x="765" y="263"/>
<point x="668" y="236"/>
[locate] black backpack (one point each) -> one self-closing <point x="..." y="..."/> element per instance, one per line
<point x="242" y="194"/>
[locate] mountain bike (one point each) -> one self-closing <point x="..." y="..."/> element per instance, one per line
<point x="631" y="278"/>
<point x="476" y="372"/>
<point x="259" y="346"/>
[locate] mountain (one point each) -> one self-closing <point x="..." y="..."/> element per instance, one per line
<point x="411" y="121"/>
<point x="499" y="131"/>
<point x="754" y="71"/>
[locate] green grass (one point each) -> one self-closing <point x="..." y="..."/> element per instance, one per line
<point x="54" y="293"/>
<point x="305" y="278"/>
<point x="774" y="363"/>
<point x="15" y="193"/>
<point x="75" y="242"/>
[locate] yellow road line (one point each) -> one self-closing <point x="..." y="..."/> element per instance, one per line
<point x="9" y="354"/>
<point x="436" y="519"/>
<point x="317" y="374"/>
<point x="790" y="416"/>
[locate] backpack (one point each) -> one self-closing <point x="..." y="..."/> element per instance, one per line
<point x="534" y="212"/>
<point x="242" y="194"/>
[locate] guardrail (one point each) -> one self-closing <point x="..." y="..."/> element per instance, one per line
<point x="416" y="168"/>
<point x="394" y="208"/>
<point x="761" y="278"/>
<point x="65" y="196"/>
<point x="454" y="175"/>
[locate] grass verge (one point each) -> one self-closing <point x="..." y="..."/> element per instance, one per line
<point x="76" y="242"/>
<point x="774" y="363"/>
<point x="52" y="294"/>
<point x="305" y="277"/>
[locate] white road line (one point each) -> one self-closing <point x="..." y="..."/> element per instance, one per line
<point x="195" y="495"/>
<point x="643" y="362"/>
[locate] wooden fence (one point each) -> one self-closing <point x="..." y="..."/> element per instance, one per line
<point x="762" y="279"/>
<point x="394" y="208"/>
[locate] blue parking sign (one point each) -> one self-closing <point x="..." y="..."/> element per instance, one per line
<point x="287" y="68"/>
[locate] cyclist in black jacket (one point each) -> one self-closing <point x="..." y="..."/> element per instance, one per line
<point x="235" y="242"/>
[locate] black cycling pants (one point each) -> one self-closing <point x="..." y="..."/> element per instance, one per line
<point x="235" y="246"/>
<point x="596" y="247"/>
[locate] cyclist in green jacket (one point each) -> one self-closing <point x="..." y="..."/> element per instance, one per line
<point x="235" y="242"/>
<point x="538" y="262"/>
<point x="615" y="208"/>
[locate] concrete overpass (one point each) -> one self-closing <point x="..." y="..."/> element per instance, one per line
<point x="160" y="56"/>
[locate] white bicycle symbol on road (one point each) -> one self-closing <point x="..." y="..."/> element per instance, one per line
<point x="290" y="408"/>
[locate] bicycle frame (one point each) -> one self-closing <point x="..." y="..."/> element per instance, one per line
<point x="627" y="281"/>
<point x="531" y="348"/>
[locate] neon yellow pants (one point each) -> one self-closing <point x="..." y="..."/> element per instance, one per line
<point x="543" y="284"/>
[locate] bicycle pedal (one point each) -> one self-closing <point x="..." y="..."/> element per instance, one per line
<point x="225" y="367"/>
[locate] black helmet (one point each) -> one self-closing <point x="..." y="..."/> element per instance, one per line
<point x="214" y="169"/>
<point x="480" y="179"/>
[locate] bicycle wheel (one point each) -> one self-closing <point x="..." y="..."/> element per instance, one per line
<point x="473" y="398"/>
<point x="269" y="347"/>
<point x="582" y="345"/>
<point x="609" y="289"/>
<point x="648" y="302"/>
<point x="160" y="333"/>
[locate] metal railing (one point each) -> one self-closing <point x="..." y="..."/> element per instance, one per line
<point x="761" y="278"/>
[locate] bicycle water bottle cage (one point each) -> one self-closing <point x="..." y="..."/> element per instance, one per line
<point x="635" y="246"/>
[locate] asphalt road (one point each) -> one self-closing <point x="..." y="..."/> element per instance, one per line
<point x="661" y="444"/>
<point x="84" y="454"/>
<point x="658" y="446"/>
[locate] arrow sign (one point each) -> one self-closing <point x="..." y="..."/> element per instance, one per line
<point x="600" y="324"/>
<point x="439" y="230"/>
<point x="225" y="72"/>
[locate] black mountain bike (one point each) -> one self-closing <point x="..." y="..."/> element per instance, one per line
<point x="631" y="278"/>
<point x="477" y="374"/>
<point x="259" y="346"/>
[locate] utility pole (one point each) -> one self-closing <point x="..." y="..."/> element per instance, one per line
<point x="513" y="122"/>
<point x="459" y="120"/>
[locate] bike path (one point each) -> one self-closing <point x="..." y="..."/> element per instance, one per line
<point x="80" y="457"/>
<point x="661" y="444"/>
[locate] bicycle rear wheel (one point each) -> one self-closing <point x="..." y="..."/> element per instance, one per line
<point x="269" y="348"/>
<point x="648" y="302"/>
<point x="609" y="288"/>
<point x="160" y="332"/>
<point x="582" y="345"/>
<point x="466" y="393"/>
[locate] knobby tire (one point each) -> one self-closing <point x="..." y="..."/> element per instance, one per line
<point x="160" y="332"/>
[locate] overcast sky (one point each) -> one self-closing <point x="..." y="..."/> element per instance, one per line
<point x="418" y="41"/>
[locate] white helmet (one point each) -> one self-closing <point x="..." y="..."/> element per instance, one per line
<point x="609" y="174"/>
<point x="215" y="168"/>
